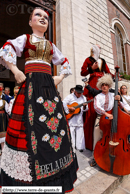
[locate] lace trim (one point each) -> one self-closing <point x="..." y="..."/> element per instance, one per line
<point x="8" y="54"/>
<point x="65" y="69"/>
<point x="15" y="164"/>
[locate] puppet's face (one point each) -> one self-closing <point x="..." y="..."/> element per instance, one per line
<point x="39" y="20"/>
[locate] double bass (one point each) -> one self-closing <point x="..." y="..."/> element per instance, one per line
<point x="112" y="152"/>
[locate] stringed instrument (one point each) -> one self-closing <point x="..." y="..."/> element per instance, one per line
<point x="77" y="109"/>
<point x="112" y="152"/>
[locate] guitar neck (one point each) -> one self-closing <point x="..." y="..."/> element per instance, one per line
<point x="78" y="106"/>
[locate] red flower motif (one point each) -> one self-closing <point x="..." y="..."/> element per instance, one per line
<point x="30" y="119"/>
<point x="38" y="171"/>
<point x="49" y="174"/>
<point x="52" y="141"/>
<point x="56" y="121"/>
<point x="53" y="127"/>
<point x="30" y="114"/>
<point x="49" y="123"/>
<point x="30" y="90"/>
<point x="32" y="137"/>
<point x="34" y="147"/>
<point x="30" y="110"/>
<point x="50" y="109"/>
<point x="37" y="166"/>
<point x="56" y="146"/>
<point x="53" y="105"/>
<point x="38" y="177"/>
<point x="46" y="104"/>
<point x="30" y="86"/>
<point x="45" y="175"/>
<point x="34" y="142"/>
<point x="59" y="139"/>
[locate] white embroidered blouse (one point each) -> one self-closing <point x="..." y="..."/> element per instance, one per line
<point x="103" y="102"/>
<point x="8" y="54"/>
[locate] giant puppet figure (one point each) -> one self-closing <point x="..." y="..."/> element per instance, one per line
<point x="38" y="147"/>
<point x="95" y="67"/>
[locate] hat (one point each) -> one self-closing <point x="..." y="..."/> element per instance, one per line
<point x="106" y="79"/>
<point x="79" y="89"/>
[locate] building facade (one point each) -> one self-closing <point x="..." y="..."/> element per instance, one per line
<point x="82" y="23"/>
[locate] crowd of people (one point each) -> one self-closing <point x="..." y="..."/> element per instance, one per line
<point x="6" y="104"/>
<point x="38" y="149"/>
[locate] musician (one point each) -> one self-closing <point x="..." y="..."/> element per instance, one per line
<point x="125" y="99"/>
<point x="76" y="122"/>
<point x="95" y="67"/>
<point x="103" y="102"/>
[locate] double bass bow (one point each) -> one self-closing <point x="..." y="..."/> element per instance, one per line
<point x="112" y="152"/>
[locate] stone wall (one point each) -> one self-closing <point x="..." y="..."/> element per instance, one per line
<point x="72" y="38"/>
<point x="99" y="29"/>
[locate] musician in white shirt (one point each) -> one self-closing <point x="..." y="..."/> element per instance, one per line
<point x="103" y="102"/>
<point x="76" y="122"/>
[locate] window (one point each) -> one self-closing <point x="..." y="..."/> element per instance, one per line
<point x="120" y="50"/>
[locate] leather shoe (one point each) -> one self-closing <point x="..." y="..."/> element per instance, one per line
<point x="80" y="150"/>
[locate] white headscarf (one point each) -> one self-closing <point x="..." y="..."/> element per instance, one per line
<point x="95" y="52"/>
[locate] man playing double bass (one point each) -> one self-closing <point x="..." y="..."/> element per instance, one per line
<point x="103" y="103"/>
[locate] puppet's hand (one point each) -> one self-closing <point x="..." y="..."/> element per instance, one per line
<point x="19" y="76"/>
<point x="58" y="79"/>
<point x="95" y="65"/>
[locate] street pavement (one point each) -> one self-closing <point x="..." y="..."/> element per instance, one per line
<point x="94" y="180"/>
<point x="85" y="172"/>
<point x="123" y="188"/>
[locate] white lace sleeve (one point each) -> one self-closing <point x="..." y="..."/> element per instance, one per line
<point x="9" y="54"/>
<point x="59" y="59"/>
